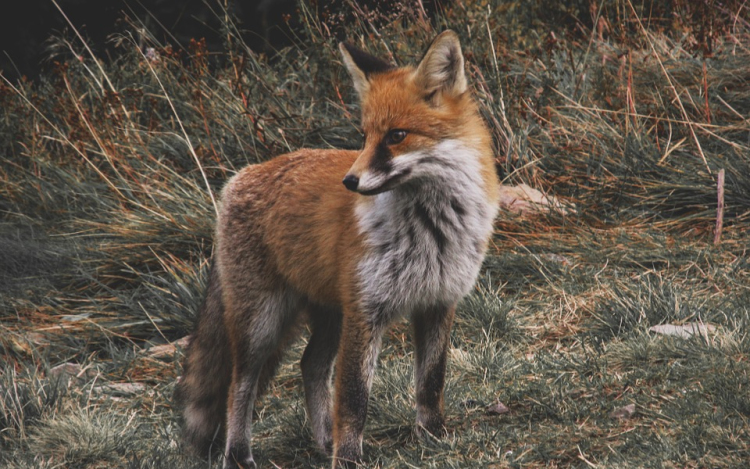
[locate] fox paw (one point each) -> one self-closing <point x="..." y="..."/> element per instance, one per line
<point x="239" y="458"/>
<point x="434" y="427"/>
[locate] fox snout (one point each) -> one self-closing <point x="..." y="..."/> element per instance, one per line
<point x="351" y="182"/>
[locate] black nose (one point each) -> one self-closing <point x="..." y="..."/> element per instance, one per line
<point x="351" y="182"/>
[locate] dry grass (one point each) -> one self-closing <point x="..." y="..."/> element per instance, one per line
<point x="625" y="113"/>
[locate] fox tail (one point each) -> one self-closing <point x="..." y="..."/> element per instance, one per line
<point x="202" y="389"/>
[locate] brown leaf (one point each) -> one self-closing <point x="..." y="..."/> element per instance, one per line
<point x="123" y="389"/>
<point x="684" y="330"/>
<point x="70" y="369"/>
<point x="623" y="412"/>
<point x="498" y="408"/>
<point x="167" y="350"/>
<point x="524" y="199"/>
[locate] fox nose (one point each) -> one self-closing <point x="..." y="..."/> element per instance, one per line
<point x="351" y="182"/>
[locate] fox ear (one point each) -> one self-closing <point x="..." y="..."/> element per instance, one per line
<point x="361" y="65"/>
<point x="442" y="66"/>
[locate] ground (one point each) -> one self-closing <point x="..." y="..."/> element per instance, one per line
<point x="626" y="115"/>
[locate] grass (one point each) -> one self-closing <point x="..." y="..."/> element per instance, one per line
<point x="626" y="113"/>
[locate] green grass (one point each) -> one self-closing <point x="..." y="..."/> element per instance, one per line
<point x="106" y="221"/>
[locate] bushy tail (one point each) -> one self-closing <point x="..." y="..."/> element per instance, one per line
<point x="207" y="370"/>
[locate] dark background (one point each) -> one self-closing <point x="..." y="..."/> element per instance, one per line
<point x="265" y="25"/>
<point x="27" y="25"/>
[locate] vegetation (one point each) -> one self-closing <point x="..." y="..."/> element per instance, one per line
<point x="627" y="113"/>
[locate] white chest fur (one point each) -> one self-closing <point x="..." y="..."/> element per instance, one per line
<point x="426" y="238"/>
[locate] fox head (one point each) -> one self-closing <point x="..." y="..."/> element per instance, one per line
<point x="411" y="115"/>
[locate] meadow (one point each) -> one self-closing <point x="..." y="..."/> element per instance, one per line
<point x="633" y="115"/>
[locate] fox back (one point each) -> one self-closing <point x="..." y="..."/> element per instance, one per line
<point x="404" y="235"/>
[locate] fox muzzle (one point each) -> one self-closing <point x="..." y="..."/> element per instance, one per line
<point x="351" y="182"/>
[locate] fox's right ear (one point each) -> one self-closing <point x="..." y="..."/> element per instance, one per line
<point x="442" y="66"/>
<point x="361" y="65"/>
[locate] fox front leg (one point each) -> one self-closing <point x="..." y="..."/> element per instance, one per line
<point x="432" y="329"/>
<point x="355" y="367"/>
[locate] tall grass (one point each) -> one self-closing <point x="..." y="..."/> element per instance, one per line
<point x="626" y="113"/>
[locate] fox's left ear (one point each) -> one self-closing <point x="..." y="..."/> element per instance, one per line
<point x="361" y="66"/>
<point x="442" y="66"/>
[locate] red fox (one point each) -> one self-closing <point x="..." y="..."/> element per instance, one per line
<point x="404" y="235"/>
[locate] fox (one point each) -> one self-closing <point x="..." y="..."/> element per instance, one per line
<point x="347" y="242"/>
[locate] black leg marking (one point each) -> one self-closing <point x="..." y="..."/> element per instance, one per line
<point x="360" y="345"/>
<point x="432" y="339"/>
<point x="317" y="367"/>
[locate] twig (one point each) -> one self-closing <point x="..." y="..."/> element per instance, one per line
<point x="630" y="94"/>
<point x="731" y="108"/>
<point x="719" y="207"/>
<point x="492" y="44"/>
<point x="153" y="323"/>
<point x="705" y="93"/>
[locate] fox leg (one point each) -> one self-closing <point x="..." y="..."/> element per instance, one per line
<point x="270" y="367"/>
<point x="256" y="330"/>
<point x="317" y="367"/>
<point x="432" y="339"/>
<point x="355" y="367"/>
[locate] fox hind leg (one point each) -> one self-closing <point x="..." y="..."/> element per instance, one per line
<point x="259" y="327"/>
<point x="317" y="368"/>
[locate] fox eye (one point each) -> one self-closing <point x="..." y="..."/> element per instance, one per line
<point x="395" y="136"/>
